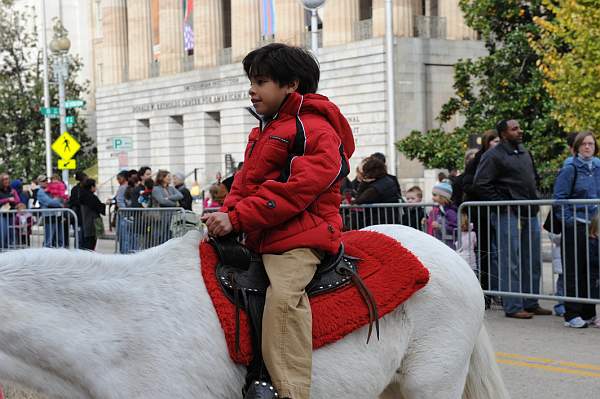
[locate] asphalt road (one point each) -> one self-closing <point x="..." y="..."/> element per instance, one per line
<point x="542" y="359"/>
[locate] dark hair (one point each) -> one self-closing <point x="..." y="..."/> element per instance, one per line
<point x="80" y="176"/>
<point x="284" y="64"/>
<point x="123" y="174"/>
<point x="160" y="176"/>
<point x="143" y="170"/>
<point x="149" y="184"/>
<point x="87" y="184"/>
<point x="579" y="140"/>
<point x="571" y="138"/>
<point x="501" y="127"/>
<point x="132" y="172"/>
<point x="133" y="180"/>
<point x="487" y="137"/>
<point x="379" y="156"/>
<point x="374" y="168"/>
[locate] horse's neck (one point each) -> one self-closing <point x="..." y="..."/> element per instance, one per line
<point x="68" y="317"/>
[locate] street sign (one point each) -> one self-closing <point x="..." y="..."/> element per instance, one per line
<point x="65" y="146"/>
<point x="74" y="103"/>
<point x="70" y="120"/>
<point x="122" y="143"/>
<point x="51" y="112"/>
<point x="67" y="164"/>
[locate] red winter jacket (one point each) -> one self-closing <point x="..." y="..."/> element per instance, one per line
<point x="287" y="194"/>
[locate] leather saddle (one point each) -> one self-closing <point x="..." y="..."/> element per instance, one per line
<point x="241" y="272"/>
<point x="243" y="279"/>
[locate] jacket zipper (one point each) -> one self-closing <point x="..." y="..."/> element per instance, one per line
<point x="251" y="149"/>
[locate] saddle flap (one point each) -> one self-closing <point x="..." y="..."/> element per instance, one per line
<point x="253" y="279"/>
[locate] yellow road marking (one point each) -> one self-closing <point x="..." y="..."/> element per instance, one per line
<point x="573" y="368"/>
<point x="549" y="361"/>
<point x="549" y="368"/>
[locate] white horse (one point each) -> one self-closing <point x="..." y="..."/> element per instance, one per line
<point x="78" y="324"/>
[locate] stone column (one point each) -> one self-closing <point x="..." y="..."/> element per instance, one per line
<point x="140" y="52"/>
<point x="404" y="17"/>
<point x="339" y="18"/>
<point x="245" y="27"/>
<point x="456" y="28"/>
<point x="114" y="45"/>
<point x="208" y="31"/>
<point x="171" y="36"/>
<point x="290" y="24"/>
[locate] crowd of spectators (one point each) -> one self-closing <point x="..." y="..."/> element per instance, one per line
<point x="501" y="244"/>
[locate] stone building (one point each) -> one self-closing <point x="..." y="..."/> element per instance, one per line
<point x="171" y="92"/>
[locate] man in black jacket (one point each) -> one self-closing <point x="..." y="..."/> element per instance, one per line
<point x="507" y="173"/>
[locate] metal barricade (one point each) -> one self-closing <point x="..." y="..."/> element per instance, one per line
<point x="142" y="228"/>
<point x="507" y="242"/>
<point x="35" y="228"/>
<point x="358" y="216"/>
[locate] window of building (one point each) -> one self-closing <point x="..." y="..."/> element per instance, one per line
<point x="178" y="119"/>
<point x="430" y="8"/>
<point x="366" y="10"/>
<point x="226" y="23"/>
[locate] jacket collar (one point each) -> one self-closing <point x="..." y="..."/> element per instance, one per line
<point x="291" y="106"/>
<point x="579" y="163"/>
<point x="510" y="149"/>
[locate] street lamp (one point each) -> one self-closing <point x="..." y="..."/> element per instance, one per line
<point x="47" y="127"/>
<point x="59" y="46"/>
<point x="312" y="6"/>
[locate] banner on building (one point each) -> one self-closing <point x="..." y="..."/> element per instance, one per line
<point x="188" y="25"/>
<point x="155" y="22"/>
<point x="267" y="17"/>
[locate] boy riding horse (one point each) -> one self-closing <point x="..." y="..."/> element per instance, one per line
<point x="285" y="201"/>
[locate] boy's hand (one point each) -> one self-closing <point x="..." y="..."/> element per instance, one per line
<point x="218" y="223"/>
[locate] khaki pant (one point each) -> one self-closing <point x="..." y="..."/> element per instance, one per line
<point x="287" y="321"/>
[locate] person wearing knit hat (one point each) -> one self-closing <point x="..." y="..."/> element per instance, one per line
<point x="442" y="219"/>
<point x="443" y="189"/>
<point x="179" y="183"/>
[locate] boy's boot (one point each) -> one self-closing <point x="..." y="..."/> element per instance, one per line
<point x="258" y="382"/>
<point x="261" y="390"/>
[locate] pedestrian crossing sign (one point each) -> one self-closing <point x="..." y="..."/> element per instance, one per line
<point x="65" y="146"/>
<point x="67" y="164"/>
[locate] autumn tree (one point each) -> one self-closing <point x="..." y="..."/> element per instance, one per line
<point x="569" y="50"/>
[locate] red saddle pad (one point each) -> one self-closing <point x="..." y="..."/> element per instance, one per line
<point x="391" y="272"/>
